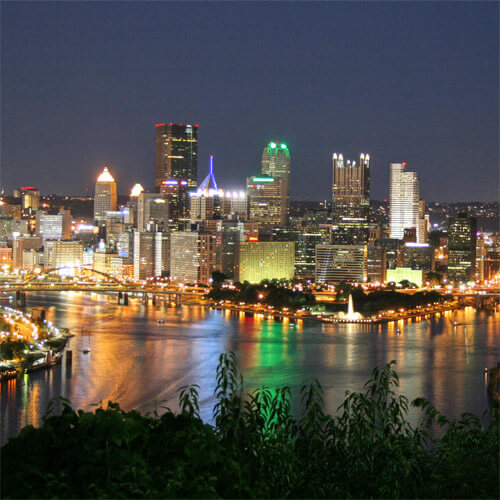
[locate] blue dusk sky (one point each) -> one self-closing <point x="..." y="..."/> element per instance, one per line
<point x="84" y="83"/>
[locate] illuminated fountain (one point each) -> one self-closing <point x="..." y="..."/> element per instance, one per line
<point x="350" y="315"/>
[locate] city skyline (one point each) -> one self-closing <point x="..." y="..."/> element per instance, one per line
<point x="396" y="93"/>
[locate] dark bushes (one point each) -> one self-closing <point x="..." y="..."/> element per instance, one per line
<point x="257" y="449"/>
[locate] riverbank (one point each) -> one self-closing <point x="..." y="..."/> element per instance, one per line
<point x="392" y="316"/>
<point x="261" y="311"/>
<point x="28" y="344"/>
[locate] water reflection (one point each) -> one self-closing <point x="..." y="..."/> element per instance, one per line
<point x="135" y="360"/>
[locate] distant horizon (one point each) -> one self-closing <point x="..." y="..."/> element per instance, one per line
<point x="383" y="200"/>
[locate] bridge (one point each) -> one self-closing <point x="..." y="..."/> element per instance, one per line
<point x="174" y="293"/>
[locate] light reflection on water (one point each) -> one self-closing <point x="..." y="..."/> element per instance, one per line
<point x="134" y="360"/>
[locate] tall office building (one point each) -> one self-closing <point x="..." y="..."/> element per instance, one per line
<point x="404" y="201"/>
<point x="176" y="153"/>
<point x="305" y="248"/>
<point x="105" y="195"/>
<point x="350" y="200"/>
<point x="152" y="208"/>
<point x="20" y="245"/>
<point x="30" y="198"/>
<point x="54" y="227"/>
<point x="193" y="257"/>
<point x="276" y="164"/>
<point x="461" y="248"/>
<point x="151" y="255"/>
<point x="174" y="191"/>
<point x="67" y="254"/>
<point x="265" y="196"/>
<point x="423" y="223"/>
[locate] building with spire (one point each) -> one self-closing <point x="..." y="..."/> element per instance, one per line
<point x="210" y="202"/>
<point x="105" y="199"/>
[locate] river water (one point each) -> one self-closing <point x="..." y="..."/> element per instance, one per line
<point x="135" y="361"/>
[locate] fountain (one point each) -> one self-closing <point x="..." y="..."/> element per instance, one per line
<point x="350" y="315"/>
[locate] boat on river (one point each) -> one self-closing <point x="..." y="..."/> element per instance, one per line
<point x="41" y="364"/>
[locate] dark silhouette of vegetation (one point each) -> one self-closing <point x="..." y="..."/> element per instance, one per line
<point x="383" y="300"/>
<point x="268" y="293"/>
<point x="380" y="300"/>
<point x="257" y="449"/>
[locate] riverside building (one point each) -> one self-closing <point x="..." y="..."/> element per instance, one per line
<point x="337" y="263"/>
<point x="264" y="260"/>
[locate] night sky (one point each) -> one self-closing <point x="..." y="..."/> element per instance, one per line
<point x="83" y="85"/>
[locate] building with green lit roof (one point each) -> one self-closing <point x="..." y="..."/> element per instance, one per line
<point x="276" y="164"/>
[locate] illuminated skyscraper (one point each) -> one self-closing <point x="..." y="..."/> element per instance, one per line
<point x="174" y="191"/>
<point x="265" y="195"/>
<point x="193" y="257"/>
<point x="461" y="248"/>
<point x="404" y="201"/>
<point x="351" y="200"/>
<point x="276" y="164"/>
<point x="105" y="195"/>
<point x="176" y="153"/>
<point x="30" y="198"/>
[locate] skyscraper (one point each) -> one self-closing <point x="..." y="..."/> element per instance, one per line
<point x="404" y="201"/>
<point x="276" y="164"/>
<point x="461" y="248"/>
<point x="176" y="153"/>
<point x="105" y="195"/>
<point x="265" y="201"/>
<point x="351" y="200"/>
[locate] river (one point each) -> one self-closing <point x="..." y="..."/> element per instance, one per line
<point x="135" y="361"/>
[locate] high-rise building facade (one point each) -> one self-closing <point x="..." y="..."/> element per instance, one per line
<point x="265" y="201"/>
<point x="404" y="201"/>
<point x="337" y="263"/>
<point x="30" y="198"/>
<point x="193" y="257"/>
<point x="105" y="199"/>
<point x="22" y="243"/>
<point x="461" y="248"/>
<point x="151" y="255"/>
<point x="175" y="192"/>
<point x="305" y="248"/>
<point x="152" y="208"/>
<point x="264" y="260"/>
<point x="176" y="153"/>
<point x="276" y="164"/>
<point x="350" y="200"/>
<point x="63" y="254"/>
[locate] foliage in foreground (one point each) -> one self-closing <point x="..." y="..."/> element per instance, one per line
<point x="257" y="448"/>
